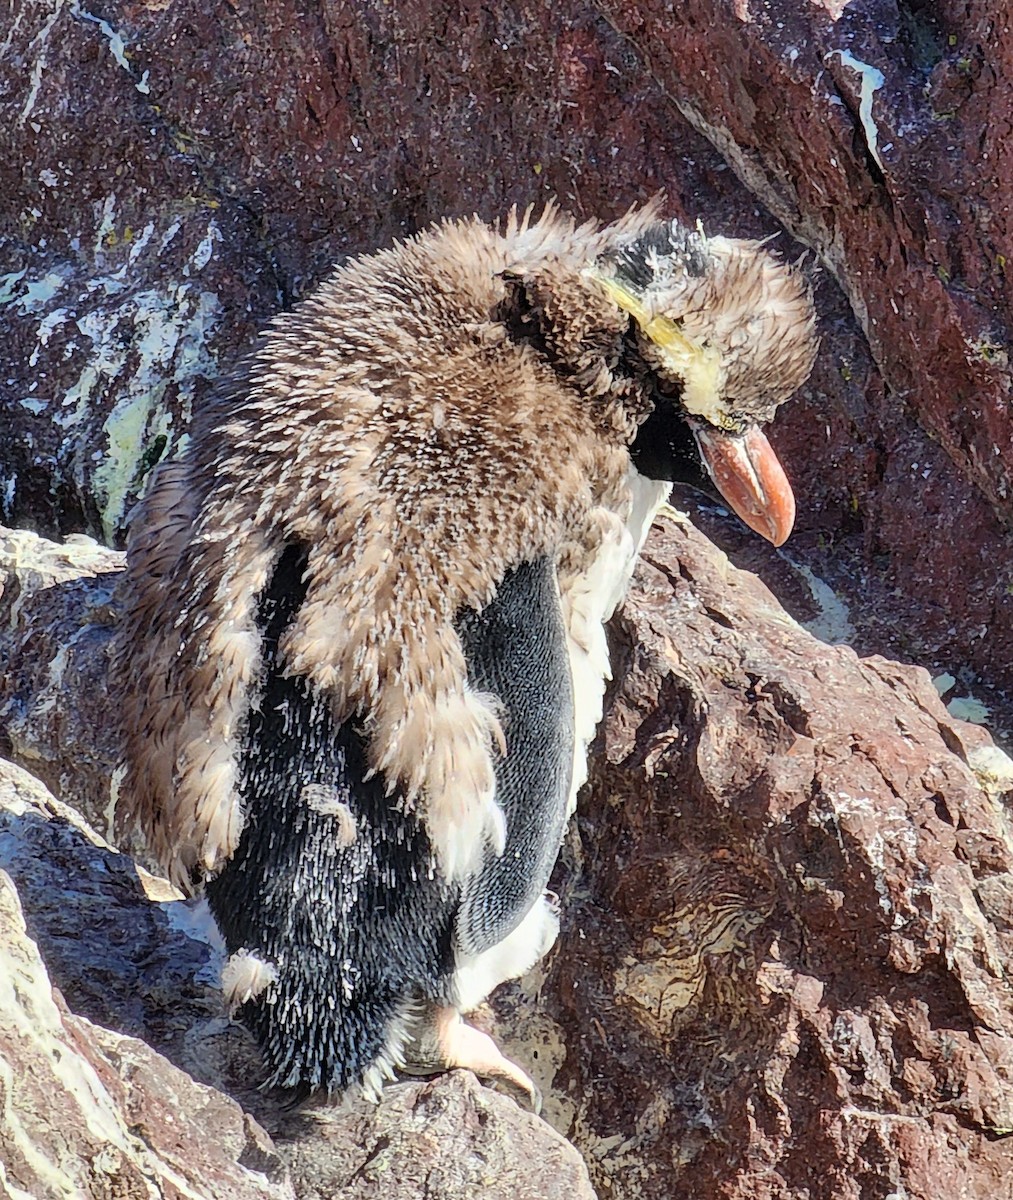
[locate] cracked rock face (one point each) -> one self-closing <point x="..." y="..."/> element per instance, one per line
<point x="88" y="1110"/>
<point x="782" y="970"/>
<point x="788" y="896"/>
<point x="787" y="910"/>
<point x="152" y="219"/>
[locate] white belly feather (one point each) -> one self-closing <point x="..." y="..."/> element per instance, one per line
<point x="590" y="603"/>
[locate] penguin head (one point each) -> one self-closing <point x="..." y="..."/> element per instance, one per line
<point x="728" y="333"/>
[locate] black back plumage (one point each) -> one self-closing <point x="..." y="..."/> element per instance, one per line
<point x="356" y="931"/>
<point x="352" y="930"/>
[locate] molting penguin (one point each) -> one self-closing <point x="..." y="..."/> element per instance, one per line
<point x="363" y="650"/>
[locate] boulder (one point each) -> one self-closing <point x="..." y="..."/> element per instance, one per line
<point x="56" y="623"/>
<point x="88" y="1109"/>
<point x="788" y="894"/>
<point x="787" y="910"/>
<point x="783" y="969"/>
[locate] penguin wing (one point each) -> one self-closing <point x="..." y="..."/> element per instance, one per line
<point x="187" y="651"/>
<point x="516" y="651"/>
<point x="541" y="648"/>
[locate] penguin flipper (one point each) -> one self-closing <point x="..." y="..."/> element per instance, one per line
<point x="516" y="650"/>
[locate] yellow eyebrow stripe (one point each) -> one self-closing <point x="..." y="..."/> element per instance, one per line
<point x="661" y="330"/>
<point x="699" y="367"/>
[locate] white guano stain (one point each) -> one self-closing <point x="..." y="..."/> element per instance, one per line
<point x="39" y="46"/>
<point x="9" y="283"/>
<point x="47" y="326"/>
<point x="117" y="46"/>
<point x="174" y="325"/>
<point x="141" y="241"/>
<point x="202" y="255"/>
<point x="967" y="708"/>
<point x="833" y="625"/>
<point x="39" y="292"/>
<point x="107" y="222"/>
<point x="872" y="80"/>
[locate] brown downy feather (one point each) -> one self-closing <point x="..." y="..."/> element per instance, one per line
<point x="398" y="425"/>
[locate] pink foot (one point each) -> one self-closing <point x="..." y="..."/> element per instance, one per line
<point x="443" y="1040"/>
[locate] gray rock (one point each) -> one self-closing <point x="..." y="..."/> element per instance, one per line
<point x="92" y="1111"/>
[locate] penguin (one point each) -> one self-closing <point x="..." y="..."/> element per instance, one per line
<point x="363" y="655"/>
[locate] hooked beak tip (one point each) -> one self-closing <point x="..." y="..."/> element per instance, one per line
<point x="749" y="476"/>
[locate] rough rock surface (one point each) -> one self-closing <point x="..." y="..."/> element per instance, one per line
<point x="55" y="624"/>
<point x="787" y="916"/>
<point x="449" y="1139"/>
<point x="874" y="132"/>
<point x="172" y="174"/>
<point x="789" y="897"/>
<point x="788" y="906"/>
<point x="120" y="1083"/>
<point x="87" y="1111"/>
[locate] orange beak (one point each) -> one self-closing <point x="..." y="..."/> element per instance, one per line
<point x="747" y="473"/>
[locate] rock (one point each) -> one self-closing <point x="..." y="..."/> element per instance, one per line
<point x="789" y="896"/>
<point x="786" y="916"/>
<point x="128" y="291"/>
<point x="859" y="127"/>
<point x="87" y="1110"/>
<point x="450" y="1138"/>
<point x="56" y="619"/>
<point x="788" y="906"/>
<point x="295" y="137"/>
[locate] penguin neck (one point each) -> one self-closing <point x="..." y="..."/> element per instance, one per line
<point x="612" y="387"/>
<point x="664" y="448"/>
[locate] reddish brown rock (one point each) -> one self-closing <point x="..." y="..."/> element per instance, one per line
<point x="788" y="906"/>
<point x="155" y="214"/>
<point x="787" y="917"/>
<point x="449" y="1138"/>
<point x="871" y="131"/>
<point x="56" y="621"/>
<point x="89" y="1111"/>
<point x="789" y="901"/>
